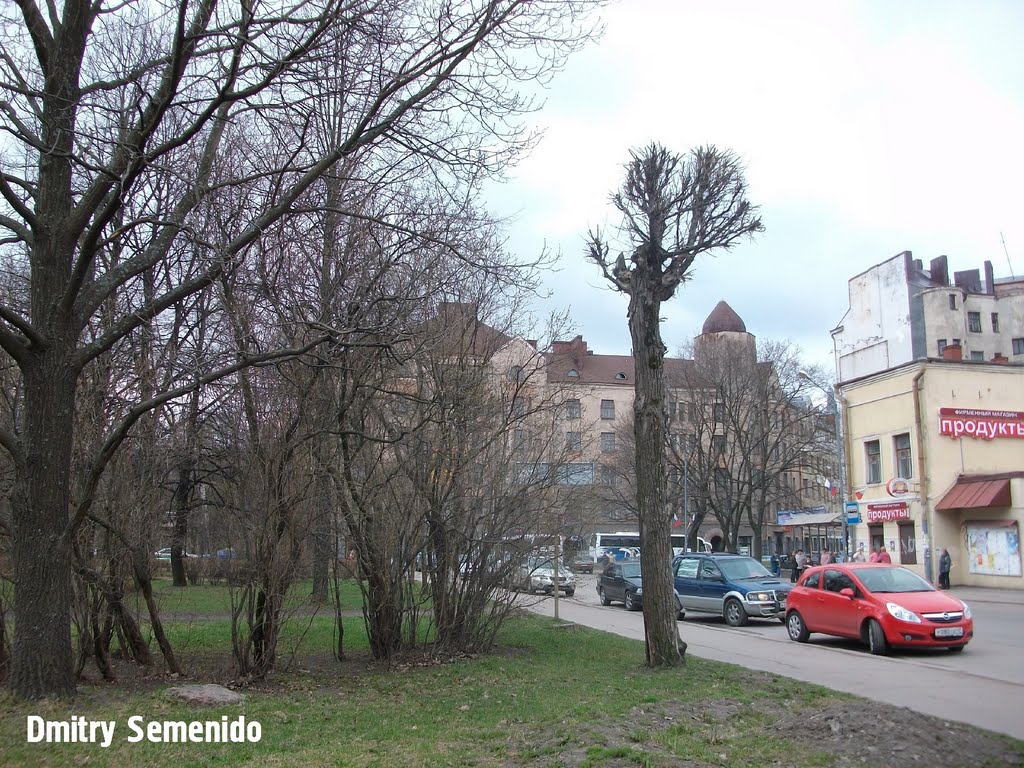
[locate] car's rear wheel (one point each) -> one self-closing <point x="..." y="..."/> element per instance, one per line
<point x="681" y="615"/>
<point x="876" y="639"/>
<point x="734" y="614"/>
<point x="603" y="596"/>
<point x="631" y="602"/>
<point x="796" y="628"/>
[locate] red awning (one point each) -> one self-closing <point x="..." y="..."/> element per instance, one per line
<point x="976" y="494"/>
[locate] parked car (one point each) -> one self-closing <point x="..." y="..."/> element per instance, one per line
<point x="538" y="575"/>
<point x="881" y="605"/>
<point x="736" y="587"/>
<point x="583" y="564"/>
<point x="621" y="582"/>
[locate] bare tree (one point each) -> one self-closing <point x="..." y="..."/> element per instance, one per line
<point x="674" y="208"/>
<point x="117" y="120"/>
<point x="748" y="426"/>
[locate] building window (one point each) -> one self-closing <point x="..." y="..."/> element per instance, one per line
<point x="519" y="440"/>
<point x="607" y="441"/>
<point x="572" y="409"/>
<point x="995" y="322"/>
<point x="974" y="322"/>
<point x="683" y="411"/>
<point x="942" y="345"/>
<point x="607" y="409"/>
<point x="573" y="373"/>
<point x="515" y="373"/>
<point x="620" y="376"/>
<point x="977" y="355"/>
<point x="718" y="412"/>
<point x="574" y="441"/>
<point x="955" y="342"/>
<point x="1018" y="346"/>
<point x="952" y="301"/>
<point x="607" y="475"/>
<point x="873" y="462"/>
<point x="576" y="474"/>
<point x="519" y="407"/>
<point x="718" y="445"/>
<point x="904" y="463"/>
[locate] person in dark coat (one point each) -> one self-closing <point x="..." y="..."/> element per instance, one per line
<point x="945" y="566"/>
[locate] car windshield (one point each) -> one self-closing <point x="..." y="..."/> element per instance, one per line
<point x="739" y="568"/>
<point x="631" y="570"/>
<point x="892" y="580"/>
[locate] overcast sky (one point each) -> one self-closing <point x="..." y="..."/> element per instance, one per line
<point x="866" y="128"/>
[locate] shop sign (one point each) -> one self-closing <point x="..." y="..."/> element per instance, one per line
<point x="987" y="425"/>
<point x="887" y="511"/>
<point x="898" y="486"/>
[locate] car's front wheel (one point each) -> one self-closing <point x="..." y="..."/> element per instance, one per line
<point x="603" y="596"/>
<point x="570" y="592"/>
<point x="630" y="602"/>
<point x="796" y="628"/>
<point x="734" y="614"/>
<point x="876" y="639"/>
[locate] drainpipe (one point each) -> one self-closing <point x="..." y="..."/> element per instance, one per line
<point x="926" y="507"/>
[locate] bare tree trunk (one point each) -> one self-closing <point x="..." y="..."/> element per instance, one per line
<point x="650" y="426"/>
<point x="182" y="505"/>
<point x="43" y="663"/>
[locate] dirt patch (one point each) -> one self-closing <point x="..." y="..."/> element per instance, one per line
<point x="850" y="733"/>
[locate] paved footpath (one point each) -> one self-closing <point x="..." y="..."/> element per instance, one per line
<point x="995" y="705"/>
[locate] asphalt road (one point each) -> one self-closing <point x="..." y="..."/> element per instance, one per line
<point x="983" y="686"/>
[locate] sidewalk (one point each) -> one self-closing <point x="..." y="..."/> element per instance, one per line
<point x="988" y="595"/>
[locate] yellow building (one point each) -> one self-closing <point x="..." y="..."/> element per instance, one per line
<point x="935" y="459"/>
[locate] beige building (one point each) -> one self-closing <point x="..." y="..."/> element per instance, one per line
<point x="935" y="456"/>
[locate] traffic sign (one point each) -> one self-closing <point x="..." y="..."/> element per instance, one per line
<point x="852" y="513"/>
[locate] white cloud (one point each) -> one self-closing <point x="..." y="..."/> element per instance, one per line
<point x="867" y="128"/>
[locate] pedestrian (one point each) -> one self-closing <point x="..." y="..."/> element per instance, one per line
<point x="945" y="565"/>
<point x="774" y="562"/>
<point x="799" y="564"/>
<point x="859" y="556"/>
<point x="883" y="556"/>
<point x="874" y="555"/>
<point x="826" y="556"/>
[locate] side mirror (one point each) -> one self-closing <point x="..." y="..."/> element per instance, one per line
<point x="847" y="592"/>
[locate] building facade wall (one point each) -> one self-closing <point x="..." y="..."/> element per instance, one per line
<point x="882" y="407"/>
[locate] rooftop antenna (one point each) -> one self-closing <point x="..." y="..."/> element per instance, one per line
<point x="1007" y="253"/>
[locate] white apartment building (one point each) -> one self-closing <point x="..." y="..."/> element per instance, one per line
<point x="899" y="312"/>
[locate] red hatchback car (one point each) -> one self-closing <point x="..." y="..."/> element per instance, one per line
<point x="878" y="604"/>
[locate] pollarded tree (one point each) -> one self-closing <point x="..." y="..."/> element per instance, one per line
<point x="674" y="208"/>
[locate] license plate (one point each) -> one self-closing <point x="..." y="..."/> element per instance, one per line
<point x="949" y="632"/>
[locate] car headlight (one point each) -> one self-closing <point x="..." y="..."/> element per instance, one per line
<point x="967" y="609"/>
<point x="639" y="590"/>
<point x="759" y="597"/>
<point x="902" y="613"/>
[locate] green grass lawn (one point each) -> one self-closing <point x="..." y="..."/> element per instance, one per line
<point x="548" y="696"/>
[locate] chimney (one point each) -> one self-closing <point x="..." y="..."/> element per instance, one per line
<point x="939" y="271"/>
<point x="998" y="358"/>
<point x="990" y="279"/>
<point x="952" y="352"/>
<point x="969" y="280"/>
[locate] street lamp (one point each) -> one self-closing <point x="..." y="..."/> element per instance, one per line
<point x="834" y="392"/>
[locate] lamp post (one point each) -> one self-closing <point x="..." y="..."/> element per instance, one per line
<point x="834" y="392"/>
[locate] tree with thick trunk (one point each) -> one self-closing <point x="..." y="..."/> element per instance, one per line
<point x="674" y="208"/>
<point x="118" y="123"/>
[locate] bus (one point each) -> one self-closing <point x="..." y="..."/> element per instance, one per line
<point x="623" y="544"/>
